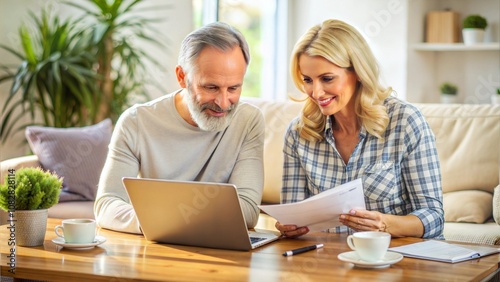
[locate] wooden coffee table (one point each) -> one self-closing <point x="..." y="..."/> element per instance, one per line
<point x="131" y="257"/>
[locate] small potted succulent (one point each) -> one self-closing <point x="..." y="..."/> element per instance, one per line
<point x="26" y="195"/>
<point x="448" y="92"/>
<point x="473" y="29"/>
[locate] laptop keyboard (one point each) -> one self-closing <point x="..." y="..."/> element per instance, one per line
<point x="256" y="239"/>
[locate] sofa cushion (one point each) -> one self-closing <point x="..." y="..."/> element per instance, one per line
<point x="496" y="205"/>
<point x="467" y="206"/>
<point x="467" y="138"/>
<point x="77" y="154"/>
<point x="487" y="233"/>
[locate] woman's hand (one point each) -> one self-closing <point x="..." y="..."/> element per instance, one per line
<point x="291" y="231"/>
<point x="363" y="220"/>
<point x="397" y="225"/>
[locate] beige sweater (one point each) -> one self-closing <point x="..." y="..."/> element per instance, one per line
<point x="153" y="141"/>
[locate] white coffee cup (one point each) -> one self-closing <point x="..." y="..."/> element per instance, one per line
<point x="77" y="231"/>
<point x="370" y="246"/>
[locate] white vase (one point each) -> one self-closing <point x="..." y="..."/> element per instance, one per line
<point x="448" y="98"/>
<point x="495" y="99"/>
<point x="473" y="36"/>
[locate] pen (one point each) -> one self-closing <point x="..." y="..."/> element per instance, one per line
<point x="302" y="250"/>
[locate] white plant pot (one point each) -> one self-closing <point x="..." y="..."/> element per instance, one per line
<point x="448" y="98"/>
<point x="495" y="99"/>
<point x="30" y="227"/>
<point x="473" y="36"/>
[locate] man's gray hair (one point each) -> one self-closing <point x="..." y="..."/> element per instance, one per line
<point x="217" y="34"/>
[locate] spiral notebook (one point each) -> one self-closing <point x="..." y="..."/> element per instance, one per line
<point x="443" y="251"/>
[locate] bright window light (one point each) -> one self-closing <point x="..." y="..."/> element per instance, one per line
<point x="264" y="27"/>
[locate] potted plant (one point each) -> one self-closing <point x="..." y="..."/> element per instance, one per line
<point x="26" y="195"/>
<point x="473" y="29"/>
<point x="79" y="72"/>
<point x="448" y="92"/>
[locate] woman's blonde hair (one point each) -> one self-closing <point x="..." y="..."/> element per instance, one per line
<point x="342" y="45"/>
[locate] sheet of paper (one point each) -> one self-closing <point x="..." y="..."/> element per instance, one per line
<point x="321" y="211"/>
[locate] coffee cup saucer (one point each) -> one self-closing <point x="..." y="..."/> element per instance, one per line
<point x="352" y="257"/>
<point x="75" y="246"/>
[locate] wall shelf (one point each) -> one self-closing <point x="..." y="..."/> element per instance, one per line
<point x="494" y="46"/>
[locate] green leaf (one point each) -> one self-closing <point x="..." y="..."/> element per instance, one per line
<point x="27" y="45"/>
<point x="100" y="30"/>
<point x="6" y="129"/>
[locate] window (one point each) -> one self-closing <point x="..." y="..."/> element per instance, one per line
<point x="264" y="28"/>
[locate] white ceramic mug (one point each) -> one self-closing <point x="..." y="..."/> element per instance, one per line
<point x="77" y="231"/>
<point x="370" y="246"/>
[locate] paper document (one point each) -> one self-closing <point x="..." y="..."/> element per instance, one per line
<point x="321" y="211"/>
<point x="443" y="251"/>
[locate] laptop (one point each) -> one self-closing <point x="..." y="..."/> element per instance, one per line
<point x="192" y="213"/>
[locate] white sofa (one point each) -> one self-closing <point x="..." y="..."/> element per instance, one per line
<point x="468" y="143"/>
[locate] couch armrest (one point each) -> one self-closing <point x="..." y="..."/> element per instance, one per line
<point x="17" y="163"/>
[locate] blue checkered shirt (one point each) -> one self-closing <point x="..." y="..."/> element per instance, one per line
<point x="400" y="173"/>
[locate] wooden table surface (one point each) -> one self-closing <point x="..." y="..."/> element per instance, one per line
<point x="130" y="257"/>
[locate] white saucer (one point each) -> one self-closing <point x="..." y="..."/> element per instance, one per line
<point x="60" y="242"/>
<point x="352" y="257"/>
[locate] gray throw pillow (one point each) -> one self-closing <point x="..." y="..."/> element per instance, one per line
<point x="77" y="154"/>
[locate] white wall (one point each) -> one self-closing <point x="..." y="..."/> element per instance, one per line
<point x="176" y="25"/>
<point x="382" y="23"/>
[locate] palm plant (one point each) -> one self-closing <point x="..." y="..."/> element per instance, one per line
<point x="55" y="77"/>
<point x="79" y="72"/>
<point x="121" y="64"/>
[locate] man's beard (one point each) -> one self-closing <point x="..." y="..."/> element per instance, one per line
<point x="205" y="121"/>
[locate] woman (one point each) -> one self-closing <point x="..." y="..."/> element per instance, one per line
<point x="351" y="127"/>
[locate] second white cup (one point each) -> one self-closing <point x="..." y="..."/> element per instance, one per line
<point x="77" y="231"/>
<point x="370" y="246"/>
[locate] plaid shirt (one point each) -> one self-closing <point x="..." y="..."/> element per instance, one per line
<point x="400" y="173"/>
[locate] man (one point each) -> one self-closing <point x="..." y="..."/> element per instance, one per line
<point x="198" y="133"/>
